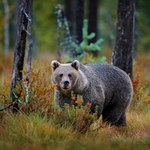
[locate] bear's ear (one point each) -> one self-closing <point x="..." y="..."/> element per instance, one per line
<point x="55" y="64"/>
<point x="76" y="64"/>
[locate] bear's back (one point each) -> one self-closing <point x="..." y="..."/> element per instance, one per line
<point x="113" y="79"/>
<point x="109" y="73"/>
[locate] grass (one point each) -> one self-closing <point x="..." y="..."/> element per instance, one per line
<point x="41" y="126"/>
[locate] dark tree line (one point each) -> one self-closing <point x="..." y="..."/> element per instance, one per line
<point x="75" y="15"/>
<point x="75" y="12"/>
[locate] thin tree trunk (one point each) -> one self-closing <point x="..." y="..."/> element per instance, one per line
<point x="30" y="39"/>
<point x="79" y="19"/>
<point x="20" y="43"/>
<point x="70" y="13"/>
<point x="136" y="28"/>
<point x="92" y="17"/>
<point x="6" y="26"/>
<point x="123" y="52"/>
<point x="59" y="26"/>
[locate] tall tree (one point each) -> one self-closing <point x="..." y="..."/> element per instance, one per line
<point x="30" y="38"/>
<point x="20" y="43"/>
<point x="92" y="17"/>
<point x="79" y="19"/>
<point x="136" y="28"/>
<point x="70" y="14"/>
<point x="123" y="52"/>
<point x="6" y="26"/>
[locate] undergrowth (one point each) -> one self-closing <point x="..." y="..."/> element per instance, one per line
<point x="42" y="125"/>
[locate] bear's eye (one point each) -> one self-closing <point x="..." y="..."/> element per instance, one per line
<point x="61" y="75"/>
<point x="69" y="75"/>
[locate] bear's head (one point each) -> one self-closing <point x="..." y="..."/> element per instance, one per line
<point x="66" y="76"/>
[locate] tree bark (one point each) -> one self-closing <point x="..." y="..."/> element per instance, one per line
<point x="6" y="27"/>
<point x="70" y="13"/>
<point x="123" y="52"/>
<point x="79" y="19"/>
<point x="92" y="17"/>
<point x="136" y="28"/>
<point x="30" y="39"/>
<point x="20" y="43"/>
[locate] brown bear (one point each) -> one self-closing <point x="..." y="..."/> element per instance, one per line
<point x="104" y="86"/>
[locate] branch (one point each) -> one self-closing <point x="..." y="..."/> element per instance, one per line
<point x="8" y="106"/>
<point x="27" y="16"/>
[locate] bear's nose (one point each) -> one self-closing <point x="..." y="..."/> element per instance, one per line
<point x="66" y="83"/>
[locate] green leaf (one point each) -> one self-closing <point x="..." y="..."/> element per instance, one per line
<point x="98" y="42"/>
<point x="83" y="45"/>
<point x="91" y="36"/>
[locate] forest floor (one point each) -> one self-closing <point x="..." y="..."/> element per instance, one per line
<point x="41" y="126"/>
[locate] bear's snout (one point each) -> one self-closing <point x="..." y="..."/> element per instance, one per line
<point x="66" y="84"/>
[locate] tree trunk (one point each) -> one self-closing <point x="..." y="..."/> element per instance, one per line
<point x="92" y="17"/>
<point x="20" y="43"/>
<point x="79" y="19"/>
<point x="70" y="13"/>
<point x="30" y="39"/>
<point x="136" y="29"/>
<point x="6" y="26"/>
<point x="123" y="52"/>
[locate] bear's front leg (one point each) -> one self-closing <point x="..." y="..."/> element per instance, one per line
<point x="60" y="99"/>
<point x="96" y="97"/>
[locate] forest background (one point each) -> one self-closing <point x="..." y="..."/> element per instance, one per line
<point x="45" y="24"/>
<point x="38" y="125"/>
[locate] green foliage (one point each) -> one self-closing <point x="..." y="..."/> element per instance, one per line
<point x="68" y="46"/>
<point x="84" y="46"/>
<point x="142" y="30"/>
<point x="44" y="25"/>
<point x="79" y="51"/>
